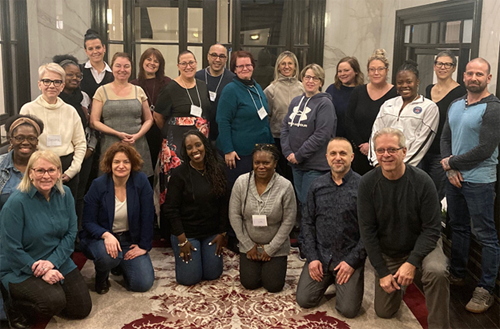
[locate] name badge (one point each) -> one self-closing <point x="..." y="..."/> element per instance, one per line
<point x="259" y="220"/>
<point x="196" y="111"/>
<point x="262" y="113"/>
<point x="54" y="140"/>
<point x="213" y="95"/>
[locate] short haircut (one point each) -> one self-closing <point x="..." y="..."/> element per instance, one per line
<point x="481" y="60"/>
<point x="390" y="131"/>
<point x="318" y="72"/>
<point x="120" y="54"/>
<point x="353" y="62"/>
<point x="51" y="67"/>
<point x="184" y="52"/>
<point x="378" y="54"/>
<point x="280" y="58"/>
<point x="341" y="139"/>
<point x="447" y="53"/>
<point x="25" y="184"/>
<point x="240" y="54"/>
<point x="134" y="157"/>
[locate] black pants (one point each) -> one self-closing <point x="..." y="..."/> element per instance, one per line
<point x="70" y="297"/>
<point x="270" y="275"/>
<point x="73" y="182"/>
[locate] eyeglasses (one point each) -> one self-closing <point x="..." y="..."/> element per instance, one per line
<point x="40" y="172"/>
<point x="47" y="82"/>
<point x="247" y="66"/>
<point x="221" y="56"/>
<point x="376" y="69"/>
<point x="76" y="76"/>
<point x="190" y="63"/>
<point x="390" y="150"/>
<point x="309" y="77"/>
<point x="22" y="138"/>
<point x="446" y="65"/>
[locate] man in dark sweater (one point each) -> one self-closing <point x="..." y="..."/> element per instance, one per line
<point x="332" y="242"/>
<point x="469" y="147"/>
<point x="400" y="222"/>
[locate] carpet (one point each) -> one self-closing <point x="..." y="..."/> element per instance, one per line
<point x="221" y="304"/>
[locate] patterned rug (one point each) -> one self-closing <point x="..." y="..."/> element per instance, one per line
<point x="221" y="304"/>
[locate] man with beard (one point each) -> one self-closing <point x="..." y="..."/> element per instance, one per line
<point x="332" y="243"/>
<point x="216" y="76"/>
<point x="469" y="147"/>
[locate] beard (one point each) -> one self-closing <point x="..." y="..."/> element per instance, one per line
<point x="475" y="88"/>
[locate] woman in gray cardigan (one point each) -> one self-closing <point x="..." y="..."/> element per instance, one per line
<point x="262" y="212"/>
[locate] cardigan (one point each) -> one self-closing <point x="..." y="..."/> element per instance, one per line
<point x="99" y="209"/>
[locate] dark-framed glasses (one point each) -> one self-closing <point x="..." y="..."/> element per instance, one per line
<point x="47" y="82"/>
<point x="75" y="76"/>
<point x="40" y="172"/>
<point x="443" y="64"/>
<point x="190" y="63"/>
<point x="390" y="150"/>
<point x="22" y="138"/>
<point x="221" y="56"/>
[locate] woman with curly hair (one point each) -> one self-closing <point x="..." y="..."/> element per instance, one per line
<point x="197" y="207"/>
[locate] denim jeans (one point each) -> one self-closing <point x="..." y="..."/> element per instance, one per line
<point x="138" y="272"/>
<point x="205" y="264"/>
<point x="473" y="202"/>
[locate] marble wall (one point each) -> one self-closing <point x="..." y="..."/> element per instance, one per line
<point x="357" y="28"/>
<point x="55" y="27"/>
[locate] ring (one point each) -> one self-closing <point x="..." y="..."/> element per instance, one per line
<point x="43" y="268"/>
<point x="181" y="254"/>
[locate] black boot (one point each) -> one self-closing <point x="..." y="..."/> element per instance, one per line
<point x="17" y="319"/>
<point x="101" y="282"/>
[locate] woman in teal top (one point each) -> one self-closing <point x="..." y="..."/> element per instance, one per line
<point x="37" y="234"/>
<point x="242" y="116"/>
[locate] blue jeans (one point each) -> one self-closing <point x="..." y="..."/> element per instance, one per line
<point x="205" y="264"/>
<point x="138" y="272"/>
<point x="473" y="202"/>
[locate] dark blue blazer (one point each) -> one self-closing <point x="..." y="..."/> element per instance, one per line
<point x="99" y="209"/>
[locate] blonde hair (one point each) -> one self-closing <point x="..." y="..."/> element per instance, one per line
<point x="51" y="67"/>
<point x="51" y="157"/>
<point x="390" y="131"/>
<point x="280" y="58"/>
<point x="318" y="72"/>
<point x="378" y="54"/>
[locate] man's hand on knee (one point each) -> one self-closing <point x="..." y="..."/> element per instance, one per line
<point x="316" y="270"/>
<point x="389" y="284"/>
<point x="344" y="272"/>
<point x="405" y="274"/>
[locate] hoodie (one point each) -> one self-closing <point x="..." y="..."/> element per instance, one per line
<point x="308" y="126"/>
<point x="471" y="136"/>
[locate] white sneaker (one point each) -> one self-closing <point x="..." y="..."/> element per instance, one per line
<point x="480" y="302"/>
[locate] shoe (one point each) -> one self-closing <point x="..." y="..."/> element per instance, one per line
<point x="480" y="302"/>
<point x="454" y="281"/>
<point x="16" y="319"/>
<point x="102" y="282"/>
<point x="117" y="271"/>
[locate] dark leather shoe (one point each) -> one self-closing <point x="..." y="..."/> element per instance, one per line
<point x="454" y="281"/>
<point x="117" y="271"/>
<point x="102" y="287"/>
<point x="16" y="319"/>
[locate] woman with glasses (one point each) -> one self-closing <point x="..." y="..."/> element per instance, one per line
<point x="285" y="87"/>
<point x="445" y="91"/>
<point x="37" y="235"/>
<point x="242" y="116"/>
<point x="363" y="107"/>
<point x="63" y="133"/>
<point x="120" y="111"/>
<point x="262" y="213"/>
<point x="416" y="116"/>
<point x="182" y="105"/>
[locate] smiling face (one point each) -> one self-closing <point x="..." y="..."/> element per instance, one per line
<point x="440" y="67"/>
<point x="377" y="72"/>
<point x="95" y="50"/>
<point x="346" y="74"/>
<point x="339" y="156"/>
<point x="215" y="62"/>
<point x="187" y="66"/>
<point x="476" y="77"/>
<point x="121" y="166"/>
<point x="407" y="85"/>
<point x="50" y="92"/>
<point x="264" y="164"/>
<point x="73" y="77"/>
<point x="151" y="66"/>
<point x="44" y="175"/>
<point x="391" y="164"/>
<point x="287" y="67"/>
<point x="195" y="151"/>
<point x="122" y="68"/>
<point x="311" y="83"/>
<point x="244" y="68"/>
<point x="29" y="140"/>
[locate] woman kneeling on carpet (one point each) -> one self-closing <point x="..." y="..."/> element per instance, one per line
<point x="118" y="220"/>
<point x="262" y="212"/>
<point x="196" y="205"/>
<point x="38" y="231"/>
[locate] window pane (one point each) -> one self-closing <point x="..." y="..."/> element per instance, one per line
<point x="262" y="22"/>
<point x="3" y="135"/>
<point x="224" y="18"/>
<point x="434" y="32"/>
<point x="198" y="54"/>
<point x="115" y="20"/>
<point x="13" y="18"/>
<point x="300" y="34"/>
<point x="195" y="25"/>
<point x="407" y="33"/>
<point x="452" y="32"/>
<point x="467" y="37"/>
<point x="426" y="71"/>
<point x="420" y="33"/>
<point x="2" y="99"/>
<point x="158" y="24"/>
<point x="112" y="49"/>
<point x="169" y="52"/>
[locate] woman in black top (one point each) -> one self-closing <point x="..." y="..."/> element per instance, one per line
<point x="445" y="91"/>
<point x="197" y="207"/>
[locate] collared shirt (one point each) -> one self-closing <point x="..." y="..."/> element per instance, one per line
<point x="10" y="176"/>
<point x="330" y="222"/>
<point x="98" y="76"/>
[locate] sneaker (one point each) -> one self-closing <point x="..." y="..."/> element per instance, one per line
<point x="456" y="281"/>
<point x="480" y="302"/>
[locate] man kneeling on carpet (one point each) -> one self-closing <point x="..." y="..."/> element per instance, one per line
<point x="196" y="206"/>
<point x="262" y="212"/>
<point x="400" y="223"/>
<point x="332" y="243"/>
<point x="38" y="231"/>
<point x="118" y="220"/>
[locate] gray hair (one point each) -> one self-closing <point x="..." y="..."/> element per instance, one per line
<point x="390" y="131"/>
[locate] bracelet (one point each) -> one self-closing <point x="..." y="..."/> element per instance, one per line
<point x="183" y="244"/>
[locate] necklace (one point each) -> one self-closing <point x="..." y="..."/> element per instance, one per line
<point x="202" y="172"/>
<point x="151" y="106"/>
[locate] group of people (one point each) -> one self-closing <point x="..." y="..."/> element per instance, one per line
<point x="214" y="157"/>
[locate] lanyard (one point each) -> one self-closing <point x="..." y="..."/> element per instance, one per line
<point x="253" y="100"/>
<point x="196" y="86"/>
<point x="220" y="79"/>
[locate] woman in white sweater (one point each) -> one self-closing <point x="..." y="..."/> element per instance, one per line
<point x="63" y="133"/>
